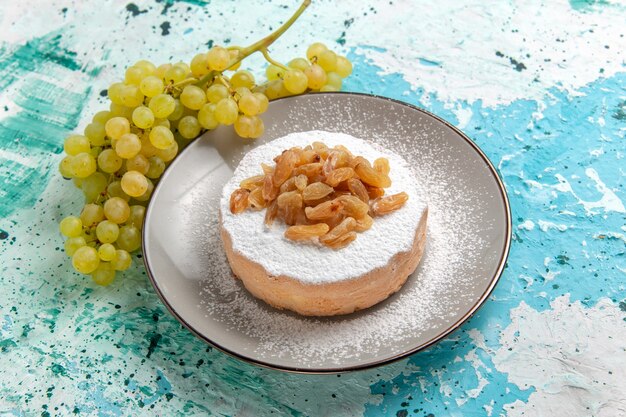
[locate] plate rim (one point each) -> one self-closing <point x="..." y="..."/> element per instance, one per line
<point x="377" y="363"/>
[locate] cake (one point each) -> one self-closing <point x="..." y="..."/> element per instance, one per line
<point x="312" y="276"/>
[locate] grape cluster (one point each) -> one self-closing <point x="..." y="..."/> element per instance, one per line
<point x="155" y="112"/>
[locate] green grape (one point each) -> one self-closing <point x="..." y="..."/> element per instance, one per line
<point x="94" y="185"/>
<point x="83" y="165"/>
<point x="156" y="169"/>
<point x="95" y="151"/>
<point x="189" y="127"/>
<point x="116" y="127"/>
<point x="234" y="54"/>
<point x="162" y="105"/>
<point x="91" y="215"/>
<point x="168" y="154"/>
<point x="65" y="167"/>
<point x="161" y="137"/>
<point x="122" y="260"/>
<point x="244" y="126"/>
<point x="138" y="163"/>
<point x="131" y="95"/>
<point x="242" y="78"/>
<point x="179" y="111"/>
<point x="134" y="183"/>
<point x="107" y="231"/>
<point x="242" y="91"/>
<point x="162" y="122"/>
<point x="147" y="66"/>
<point x="101" y="117"/>
<point x="315" y="50"/>
<point x="334" y="79"/>
<point x="193" y="97"/>
<point x="129" y="238"/>
<point x="250" y="104"/>
<point x="146" y="196"/>
<point x="115" y="190"/>
<point x="134" y="75"/>
<point x="257" y="127"/>
<point x="327" y="60"/>
<point x="109" y="161"/>
<point x="316" y="76"/>
<point x="200" y="65"/>
<point x="151" y="86"/>
<point x="295" y="81"/>
<point x="183" y="66"/>
<point x="273" y="72"/>
<point x="106" y="252"/>
<point x="128" y="145"/>
<point x="143" y="117"/>
<point x="78" y="182"/>
<point x="161" y="70"/>
<point x="147" y="148"/>
<point x="71" y="226"/>
<point x="226" y="111"/>
<point x="72" y="244"/>
<point x="276" y="89"/>
<point x="117" y="110"/>
<point x="90" y="236"/>
<point x="115" y="92"/>
<point x="175" y="74"/>
<point x="216" y="92"/>
<point x="75" y="144"/>
<point x="95" y="133"/>
<point x="218" y="58"/>
<point x="299" y="64"/>
<point x="263" y="102"/>
<point x="344" y="66"/>
<point x="104" y="274"/>
<point x="206" y="116"/>
<point x="328" y="87"/>
<point x="85" y="260"/>
<point x="137" y="214"/>
<point x="116" y="209"/>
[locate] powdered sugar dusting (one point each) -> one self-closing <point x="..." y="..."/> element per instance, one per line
<point x="445" y="285"/>
<point x="316" y="264"/>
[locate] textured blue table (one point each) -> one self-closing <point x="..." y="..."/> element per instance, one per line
<point x="540" y="87"/>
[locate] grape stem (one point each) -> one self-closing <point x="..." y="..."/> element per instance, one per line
<point x="269" y="59"/>
<point x="260" y="45"/>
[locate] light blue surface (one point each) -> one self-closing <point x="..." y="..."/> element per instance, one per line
<point x="67" y="346"/>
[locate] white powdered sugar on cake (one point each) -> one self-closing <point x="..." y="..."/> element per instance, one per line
<point x="310" y="262"/>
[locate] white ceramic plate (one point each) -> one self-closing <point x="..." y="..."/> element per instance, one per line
<point x="468" y="241"/>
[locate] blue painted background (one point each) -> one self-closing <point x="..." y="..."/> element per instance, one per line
<point x="70" y="347"/>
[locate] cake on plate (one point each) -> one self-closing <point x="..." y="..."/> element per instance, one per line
<point x="323" y="223"/>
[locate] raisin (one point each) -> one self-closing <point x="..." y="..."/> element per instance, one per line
<point x="368" y="175"/>
<point x="382" y="165"/>
<point x="285" y="165"/>
<point x="271" y="213"/>
<point x="341" y="242"/>
<point x="269" y="191"/>
<point x="364" y="223"/>
<point x="385" y="205"/>
<point x="305" y="232"/>
<point x="357" y="188"/>
<point x="309" y="170"/>
<point x="353" y="206"/>
<point x="324" y="210"/>
<point x="336" y="159"/>
<point x="339" y="175"/>
<point x="239" y="200"/>
<point x="316" y="191"/>
<point x="252" y="182"/>
<point x="256" y="199"/>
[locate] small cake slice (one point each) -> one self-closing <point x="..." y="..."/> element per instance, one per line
<point x="344" y="232"/>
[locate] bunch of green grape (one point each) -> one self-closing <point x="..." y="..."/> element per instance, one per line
<point x="155" y="112"/>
